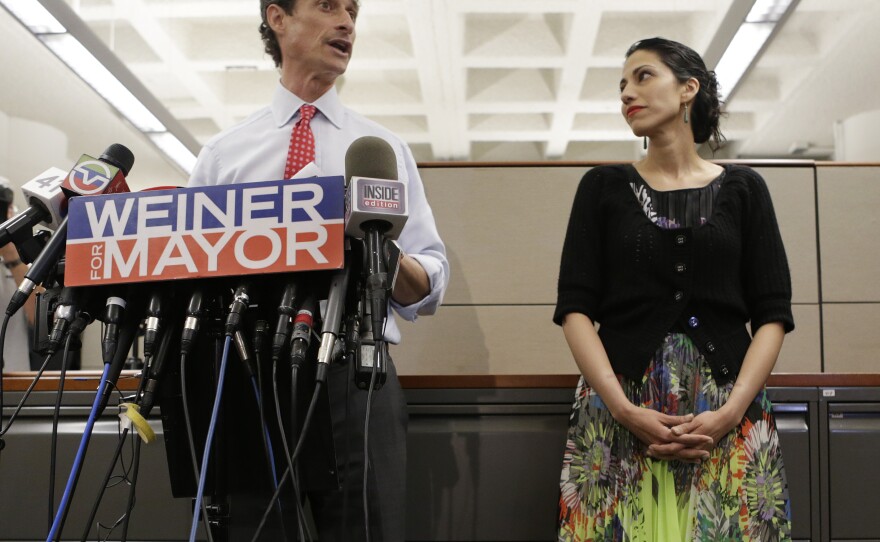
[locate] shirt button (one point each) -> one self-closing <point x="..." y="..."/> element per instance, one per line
<point x="680" y="268"/>
<point x="678" y="296"/>
<point x="710" y="347"/>
<point x="680" y="239"/>
<point x="693" y="321"/>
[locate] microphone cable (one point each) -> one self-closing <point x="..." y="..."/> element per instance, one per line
<point x="76" y="470"/>
<point x="187" y="422"/>
<point x="112" y="358"/>
<point x="379" y="352"/>
<point x="3" y="430"/>
<point x="291" y="459"/>
<point x="210" y="437"/>
<point x="132" y="481"/>
<point x="304" y="531"/>
<point x="56" y="415"/>
<point x="80" y="455"/>
<point x="124" y="478"/>
<point x="195" y="313"/>
<point x="24" y="398"/>
<point x="257" y="385"/>
<point x="117" y="457"/>
<point x="157" y="359"/>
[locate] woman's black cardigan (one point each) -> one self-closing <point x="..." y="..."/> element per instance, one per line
<point x="640" y="282"/>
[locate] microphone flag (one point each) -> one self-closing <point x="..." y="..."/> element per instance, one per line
<point x="93" y="176"/>
<point x="211" y="231"/>
<point x="45" y="191"/>
<point x="371" y="199"/>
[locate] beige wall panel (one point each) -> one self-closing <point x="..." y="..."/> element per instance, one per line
<point x="802" y="349"/>
<point x="484" y="340"/>
<point x="523" y="340"/>
<point x="852" y="343"/>
<point x="503" y="228"/>
<point x="849" y="233"/>
<point x="795" y="204"/>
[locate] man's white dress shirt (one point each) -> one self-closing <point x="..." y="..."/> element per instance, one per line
<point x="256" y="150"/>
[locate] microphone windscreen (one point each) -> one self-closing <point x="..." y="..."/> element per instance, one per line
<point x="118" y="155"/>
<point x="370" y="156"/>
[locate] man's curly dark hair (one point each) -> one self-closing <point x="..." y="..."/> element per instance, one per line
<point x="270" y="42"/>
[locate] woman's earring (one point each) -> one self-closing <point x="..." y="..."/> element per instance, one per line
<point x="687" y="117"/>
<point x="645" y="142"/>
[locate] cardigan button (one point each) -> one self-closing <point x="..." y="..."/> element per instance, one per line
<point x="680" y="239"/>
<point x="678" y="296"/>
<point x="693" y="322"/>
<point x="724" y="370"/>
<point x="710" y="347"/>
<point x="680" y="268"/>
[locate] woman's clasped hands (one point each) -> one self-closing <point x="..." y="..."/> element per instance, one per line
<point x="689" y="438"/>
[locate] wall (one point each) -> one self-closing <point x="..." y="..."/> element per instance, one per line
<point x="504" y="227"/>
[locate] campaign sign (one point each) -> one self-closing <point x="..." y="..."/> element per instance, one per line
<point x="238" y="229"/>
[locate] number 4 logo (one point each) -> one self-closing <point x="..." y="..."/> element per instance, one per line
<point x="50" y="184"/>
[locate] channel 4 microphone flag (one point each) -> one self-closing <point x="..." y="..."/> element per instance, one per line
<point x="215" y="231"/>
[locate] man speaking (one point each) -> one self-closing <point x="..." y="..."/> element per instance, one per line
<point x="312" y="41"/>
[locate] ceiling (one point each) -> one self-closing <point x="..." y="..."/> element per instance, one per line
<point x="505" y="80"/>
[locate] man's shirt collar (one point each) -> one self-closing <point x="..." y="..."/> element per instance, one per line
<point x="285" y="104"/>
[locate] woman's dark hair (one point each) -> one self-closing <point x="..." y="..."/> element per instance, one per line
<point x="270" y="42"/>
<point x="685" y="63"/>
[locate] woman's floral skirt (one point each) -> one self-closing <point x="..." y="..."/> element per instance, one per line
<point x="611" y="491"/>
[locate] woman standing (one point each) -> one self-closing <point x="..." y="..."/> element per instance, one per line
<point x="671" y="435"/>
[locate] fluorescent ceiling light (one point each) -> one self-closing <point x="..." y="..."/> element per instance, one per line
<point x="90" y="70"/>
<point x="45" y="27"/>
<point x="175" y="150"/>
<point x="34" y="16"/>
<point x="767" y="11"/>
<point x="740" y="54"/>
<point x="749" y="40"/>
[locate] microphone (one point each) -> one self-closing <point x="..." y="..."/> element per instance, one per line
<point x="88" y="177"/>
<point x="244" y="353"/>
<point x="103" y="175"/>
<point x="286" y="313"/>
<point x="240" y="302"/>
<point x="332" y="319"/>
<point x="112" y="317"/>
<point x="155" y="316"/>
<point x="158" y="367"/>
<point x="261" y="332"/>
<point x="302" y="331"/>
<point x="376" y="209"/>
<point x="128" y="330"/>
<point x="46" y="204"/>
<point x="75" y="305"/>
<point x="194" y="312"/>
<point x="65" y="312"/>
<point x="369" y="357"/>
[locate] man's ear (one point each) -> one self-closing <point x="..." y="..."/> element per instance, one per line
<point x="275" y="17"/>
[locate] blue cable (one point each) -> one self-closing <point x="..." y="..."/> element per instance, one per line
<point x="80" y="455"/>
<point x="266" y="431"/>
<point x="207" y="454"/>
